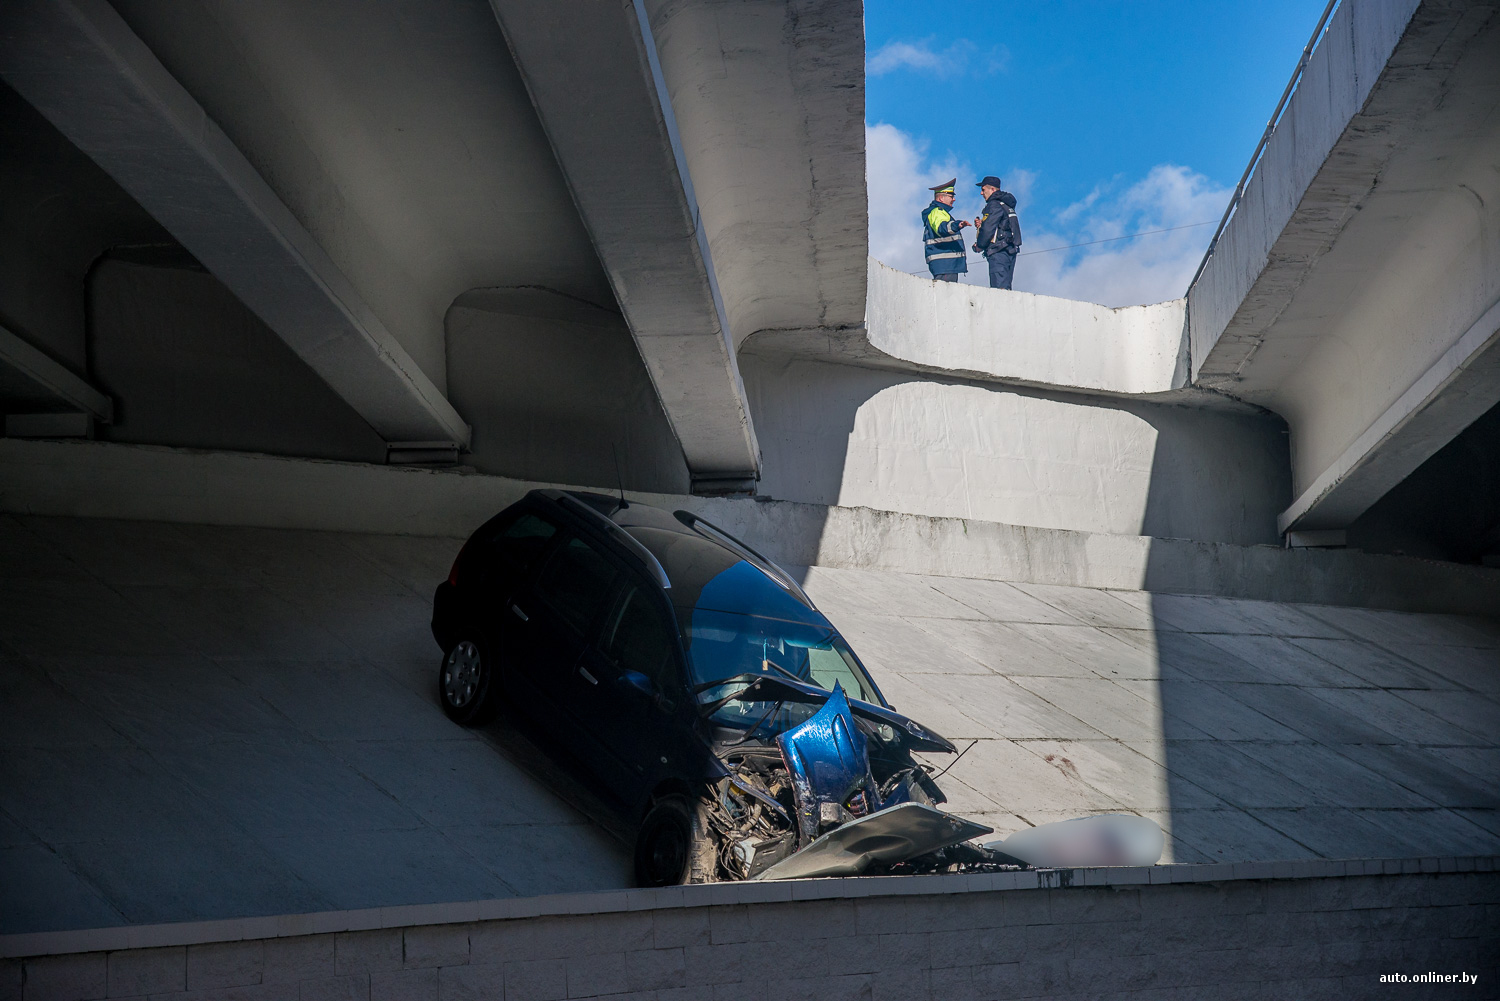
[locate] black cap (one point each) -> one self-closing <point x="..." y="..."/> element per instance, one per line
<point x="945" y="186"/>
<point x="991" y="180"/>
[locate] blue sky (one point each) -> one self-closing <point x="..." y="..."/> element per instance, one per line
<point x="1105" y="118"/>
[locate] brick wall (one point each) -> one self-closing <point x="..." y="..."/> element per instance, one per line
<point x="1260" y="930"/>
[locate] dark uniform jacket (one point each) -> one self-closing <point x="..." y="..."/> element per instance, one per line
<point x="943" y="240"/>
<point x="999" y="227"/>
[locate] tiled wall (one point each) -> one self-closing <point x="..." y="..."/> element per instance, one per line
<point x="1257" y="930"/>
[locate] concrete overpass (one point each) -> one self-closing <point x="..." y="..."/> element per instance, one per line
<point x="1355" y="291"/>
<point x="331" y="289"/>
<point x="430" y="230"/>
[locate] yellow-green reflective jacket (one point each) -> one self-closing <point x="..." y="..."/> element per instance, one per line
<point x="943" y="240"/>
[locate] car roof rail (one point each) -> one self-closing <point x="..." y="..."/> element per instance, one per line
<point x="652" y="564"/>
<point x="705" y="527"/>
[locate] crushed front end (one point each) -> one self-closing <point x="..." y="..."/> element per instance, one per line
<point x="811" y="784"/>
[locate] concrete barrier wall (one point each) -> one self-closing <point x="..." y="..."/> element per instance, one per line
<point x="97" y="480"/>
<point x="1022" y="337"/>
<point x="862" y="437"/>
<point x="1249" y="930"/>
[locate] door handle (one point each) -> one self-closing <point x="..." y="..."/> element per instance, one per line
<point x="587" y="676"/>
<point x="520" y="614"/>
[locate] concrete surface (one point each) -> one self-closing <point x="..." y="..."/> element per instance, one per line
<point x="200" y="370"/>
<point x="556" y="390"/>
<point x="1253" y="931"/>
<point x="768" y="98"/>
<point x="97" y="480"/>
<point x="1354" y="290"/>
<point x="84" y="69"/>
<point x="917" y="325"/>
<point x="856" y="436"/>
<point x="584" y="64"/>
<point x="205" y="722"/>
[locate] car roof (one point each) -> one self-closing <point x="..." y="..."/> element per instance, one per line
<point x="693" y="559"/>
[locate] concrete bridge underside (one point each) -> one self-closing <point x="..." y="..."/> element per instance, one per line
<point x="1356" y="290"/>
<point x="457" y="227"/>
<point x="204" y="722"/>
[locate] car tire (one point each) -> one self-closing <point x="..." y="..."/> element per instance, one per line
<point x="673" y="846"/>
<point x="467" y="684"/>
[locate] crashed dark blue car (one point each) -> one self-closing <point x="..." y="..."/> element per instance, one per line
<point x="699" y="687"/>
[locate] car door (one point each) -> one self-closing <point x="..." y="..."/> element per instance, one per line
<point x="510" y="561"/>
<point x="629" y="688"/>
<point x="557" y="618"/>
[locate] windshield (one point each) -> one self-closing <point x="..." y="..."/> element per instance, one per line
<point x="724" y="645"/>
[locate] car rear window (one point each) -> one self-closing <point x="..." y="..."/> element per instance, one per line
<point x="521" y="543"/>
<point x="575" y="581"/>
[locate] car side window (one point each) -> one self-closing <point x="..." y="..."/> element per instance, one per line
<point x="575" y="581"/>
<point x="521" y="543"/>
<point x="639" y="639"/>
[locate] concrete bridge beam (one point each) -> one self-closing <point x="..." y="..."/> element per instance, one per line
<point x="83" y="68"/>
<point x="592" y="72"/>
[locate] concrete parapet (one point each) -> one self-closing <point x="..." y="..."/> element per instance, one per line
<point x="1286" y="928"/>
<point x="99" y="480"/>
<point x="914" y="324"/>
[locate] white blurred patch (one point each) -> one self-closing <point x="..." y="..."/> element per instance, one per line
<point x="1108" y="839"/>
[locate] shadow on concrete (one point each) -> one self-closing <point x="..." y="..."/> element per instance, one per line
<point x="849" y="436"/>
<point x="206" y="722"/>
<point x="1291" y="731"/>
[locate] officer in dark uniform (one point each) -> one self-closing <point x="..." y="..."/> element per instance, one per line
<point x="942" y="235"/>
<point x="999" y="232"/>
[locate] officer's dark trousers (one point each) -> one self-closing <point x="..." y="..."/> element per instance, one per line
<point x="1002" y="269"/>
<point x="945" y="278"/>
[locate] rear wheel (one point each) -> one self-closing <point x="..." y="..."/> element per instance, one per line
<point x="673" y="846"/>
<point x="467" y="686"/>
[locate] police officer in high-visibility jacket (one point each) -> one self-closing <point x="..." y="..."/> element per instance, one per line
<point x="942" y="236"/>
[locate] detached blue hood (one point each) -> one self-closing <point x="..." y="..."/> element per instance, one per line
<point x="830" y="767"/>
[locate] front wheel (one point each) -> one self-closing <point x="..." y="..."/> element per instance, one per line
<point x="673" y="846"/>
<point x="467" y="683"/>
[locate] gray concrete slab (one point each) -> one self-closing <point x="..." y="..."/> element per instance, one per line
<point x="1124" y="774"/>
<point x="1467" y="667"/>
<point x="1092" y="606"/>
<point x="1030" y="781"/>
<point x="905" y="645"/>
<point x="1109" y="708"/>
<point x="203" y="722"/>
<point x="1000" y="601"/>
<point x="846" y="591"/>
<point x="1008" y="648"/>
<point x="1278" y="659"/>
<point x="1373" y="665"/>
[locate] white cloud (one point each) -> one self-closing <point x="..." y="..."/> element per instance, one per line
<point x="960" y="57"/>
<point x="1144" y="269"/>
<point x="1151" y="268"/>
<point x="898" y="172"/>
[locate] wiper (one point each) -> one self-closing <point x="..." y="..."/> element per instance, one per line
<point x="710" y="708"/>
<point x="771" y="663"/>
<point x="750" y="733"/>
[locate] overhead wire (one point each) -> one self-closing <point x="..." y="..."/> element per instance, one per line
<point x="1112" y="239"/>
